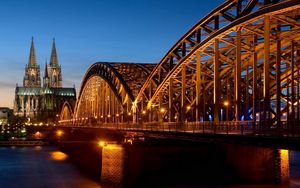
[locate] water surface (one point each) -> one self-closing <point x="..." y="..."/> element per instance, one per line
<point x="39" y="167"/>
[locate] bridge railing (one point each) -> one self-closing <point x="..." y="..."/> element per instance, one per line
<point x="289" y="128"/>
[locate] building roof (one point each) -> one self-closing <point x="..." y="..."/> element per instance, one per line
<point x="35" y="91"/>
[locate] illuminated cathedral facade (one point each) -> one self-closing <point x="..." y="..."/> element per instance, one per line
<point x="42" y="100"/>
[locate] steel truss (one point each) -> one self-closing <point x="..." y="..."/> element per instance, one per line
<point x="240" y="62"/>
<point x="108" y="91"/>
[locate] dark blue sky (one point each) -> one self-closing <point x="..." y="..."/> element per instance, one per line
<point x="87" y="31"/>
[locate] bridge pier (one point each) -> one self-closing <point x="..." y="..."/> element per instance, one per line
<point x="155" y="162"/>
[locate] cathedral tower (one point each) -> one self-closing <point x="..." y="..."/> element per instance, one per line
<point x="46" y="80"/>
<point x="54" y="69"/>
<point x="32" y="70"/>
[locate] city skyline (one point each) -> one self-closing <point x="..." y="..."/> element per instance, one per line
<point x="131" y="31"/>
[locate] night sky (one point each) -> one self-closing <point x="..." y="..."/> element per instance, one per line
<point x="87" y="31"/>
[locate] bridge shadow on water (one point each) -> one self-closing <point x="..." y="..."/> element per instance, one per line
<point x="173" y="163"/>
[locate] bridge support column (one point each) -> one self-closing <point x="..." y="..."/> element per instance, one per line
<point x="292" y="81"/>
<point x="254" y="82"/>
<point x="171" y="90"/>
<point x="198" y="86"/>
<point x="266" y="87"/>
<point x="151" y="107"/>
<point x="237" y="77"/>
<point x="216" y="82"/>
<point x="161" y="110"/>
<point x="183" y="90"/>
<point x="278" y="84"/>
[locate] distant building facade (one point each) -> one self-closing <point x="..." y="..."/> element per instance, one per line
<point x="42" y="101"/>
<point x="4" y="115"/>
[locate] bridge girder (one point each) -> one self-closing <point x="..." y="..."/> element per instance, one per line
<point x="66" y="114"/>
<point x="214" y="61"/>
<point x="241" y="61"/>
<point x="108" y="90"/>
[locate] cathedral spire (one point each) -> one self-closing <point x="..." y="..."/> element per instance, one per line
<point x="32" y="70"/>
<point x="46" y="70"/>
<point x="32" y="59"/>
<point x="54" y="70"/>
<point x="46" y="76"/>
<point x="53" y="58"/>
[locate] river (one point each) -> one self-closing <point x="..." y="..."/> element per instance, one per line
<point x="39" y="167"/>
<point x="46" y="167"/>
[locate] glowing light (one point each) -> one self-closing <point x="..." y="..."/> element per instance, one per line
<point x="129" y="113"/>
<point x="117" y="115"/>
<point x="108" y="115"/>
<point x="129" y="141"/>
<point x="226" y="103"/>
<point x="188" y="107"/>
<point x="59" y="133"/>
<point x="37" y="134"/>
<point x="144" y="112"/>
<point x="58" y="156"/>
<point x="284" y="165"/>
<point x="102" y="143"/>
<point x="162" y="110"/>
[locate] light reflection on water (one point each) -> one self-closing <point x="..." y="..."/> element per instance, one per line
<point x="284" y="165"/>
<point x="34" y="167"/>
<point x="58" y="155"/>
<point x="112" y="164"/>
<point x="41" y="166"/>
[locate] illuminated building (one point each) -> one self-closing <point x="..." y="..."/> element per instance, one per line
<point x="42" y="101"/>
<point x="4" y="115"/>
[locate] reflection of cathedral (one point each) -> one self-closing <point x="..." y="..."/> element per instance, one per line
<point x="42" y="102"/>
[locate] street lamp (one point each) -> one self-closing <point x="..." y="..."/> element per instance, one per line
<point x="188" y="107"/>
<point x="226" y="103"/>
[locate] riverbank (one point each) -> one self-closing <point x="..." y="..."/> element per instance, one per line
<point x="23" y="143"/>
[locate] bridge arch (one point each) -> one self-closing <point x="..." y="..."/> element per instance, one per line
<point x="239" y="62"/>
<point x="108" y="91"/>
<point x="66" y="114"/>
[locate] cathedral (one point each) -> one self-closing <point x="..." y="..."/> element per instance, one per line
<point x="42" y="101"/>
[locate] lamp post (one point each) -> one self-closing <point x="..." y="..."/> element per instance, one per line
<point x="129" y="117"/>
<point x="143" y="116"/>
<point x="162" y="111"/>
<point x="117" y="120"/>
<point x="226" y="104"/>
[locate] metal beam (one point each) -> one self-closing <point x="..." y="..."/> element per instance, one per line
<point x="216" y="82"/>
<point x="183" y="91"/>
<point x="266" y="87"/>
<point x="237" y="78"/>
<point x="198" y="86"/>
<point x="278" y="83"/>
<point x="171" y="91"/>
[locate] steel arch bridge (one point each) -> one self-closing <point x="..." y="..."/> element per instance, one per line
<point x="108" y="91"/>
<point x="241" y="62"/>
